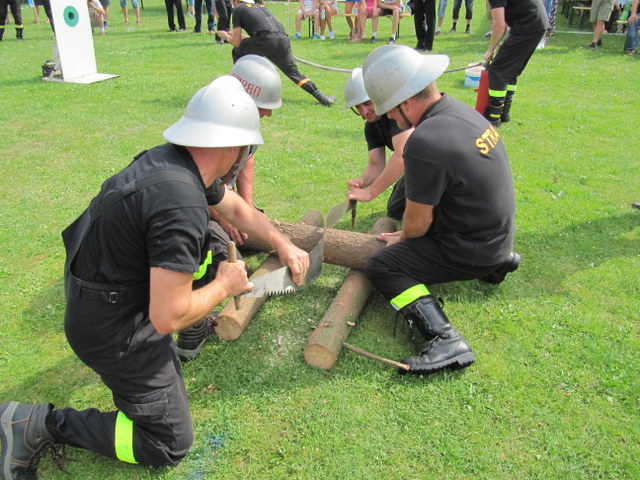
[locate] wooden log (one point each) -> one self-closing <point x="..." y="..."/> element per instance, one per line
<point x="347" y="249"/>
<point x="232" y="321"/>
<point x="326" y="342"/>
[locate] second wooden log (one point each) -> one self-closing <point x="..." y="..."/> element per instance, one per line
<point x="325" y="343"/>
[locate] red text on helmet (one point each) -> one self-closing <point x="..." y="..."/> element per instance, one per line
<point x="251" y="88"/>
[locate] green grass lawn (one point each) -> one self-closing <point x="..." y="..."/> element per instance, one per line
<point x="555" y="391"/>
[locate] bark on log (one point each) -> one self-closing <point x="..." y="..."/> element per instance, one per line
<point x="326" y="341"/>
<point x="232" y="322"/>
<point x="347" y="249"/>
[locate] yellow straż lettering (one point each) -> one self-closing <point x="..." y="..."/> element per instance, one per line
<point x="484" y="148"/>
<point x="488" y="140"/>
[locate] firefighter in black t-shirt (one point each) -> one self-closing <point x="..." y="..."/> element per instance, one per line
<point x="459" y="218"/>
<point x="527" y="21"/>
<point x="266" y="37"/>
<point x="262" y="82"/>
<point x="380" y="132"/>
<point x="134" y="259"/>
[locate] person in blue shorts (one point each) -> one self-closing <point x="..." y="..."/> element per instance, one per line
<point x="136" y="9"/>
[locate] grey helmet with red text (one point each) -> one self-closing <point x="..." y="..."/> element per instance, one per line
<point x="260" y="79"/>
<point x="354" y="91"/>
<point x="394" y="73"/>
<point x="221" y="114"/>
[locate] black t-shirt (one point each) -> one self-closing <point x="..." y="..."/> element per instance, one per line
<point x="255" y="19"/>
<point x="381" y="132"/>
<point x="523" y="16"/>
<point x="456" y="161"/>
<point x="164" y="225"/>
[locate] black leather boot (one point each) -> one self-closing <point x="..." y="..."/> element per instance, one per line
<point x="509" y="265"/>
<point x="445" y="347"/>
<point x="494" y="110"/>
<point x="19" y="33"/>
<point x="311" y="88"/>
<point x="323" y="99"/>
<point x="25" y="440"/>
<point x="505" y="117"/>
<point x="192" y="339"/>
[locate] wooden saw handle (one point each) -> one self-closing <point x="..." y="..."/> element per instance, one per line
<point x="233" y="258"/>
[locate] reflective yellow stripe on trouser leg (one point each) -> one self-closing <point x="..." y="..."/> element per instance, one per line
<point x="410" y="295"/>
<point x="124" y="439"/>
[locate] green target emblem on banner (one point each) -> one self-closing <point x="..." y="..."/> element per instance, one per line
<point x="71" y="16"/>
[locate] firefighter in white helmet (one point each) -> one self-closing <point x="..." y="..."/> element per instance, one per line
<point x="262" y="82"/>
<point x="133" y="260"/>
<point x="380" y="133"/>
<point x="458" y="222"/>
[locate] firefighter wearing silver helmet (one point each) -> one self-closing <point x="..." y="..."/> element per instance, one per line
<point x="380" y="132"/>
<point x="459" y="218"/>
<point x="133" y="260"/>
<point x="261" y="81"/>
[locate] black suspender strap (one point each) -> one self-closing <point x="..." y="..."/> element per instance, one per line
<point x="137" y="185"/>
<point x="74" y="234"/>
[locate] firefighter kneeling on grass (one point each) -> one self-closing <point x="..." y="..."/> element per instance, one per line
<point x="459" y="218"/>
<point x="137" y="269"/>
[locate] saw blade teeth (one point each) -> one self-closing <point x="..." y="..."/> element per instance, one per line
<point x="283" y="291"/>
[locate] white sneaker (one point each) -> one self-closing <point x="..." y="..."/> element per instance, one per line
<point x="541" y="44"/>
<point x="332" y="35"/>
<point x="321" y="37"/>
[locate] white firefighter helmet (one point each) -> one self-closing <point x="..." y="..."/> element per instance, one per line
<point x="394" y="73"/>
<point x="221" y="114"/>
<point x="260" y="79"/>
<point x="354" y="91"/>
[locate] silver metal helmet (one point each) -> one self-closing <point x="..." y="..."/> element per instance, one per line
<point x="394" y="73"/>
<point x="354" y="91"/>
<point x="260" y="79"/>
<point x="221" y="114"/>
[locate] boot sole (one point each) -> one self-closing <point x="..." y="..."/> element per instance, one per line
<point x="456" y="363"/>
<point x="7" y="438"/>
<point x="188" y="355"/>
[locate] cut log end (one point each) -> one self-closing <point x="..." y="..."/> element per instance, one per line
<point x="319" y="356"/>
<point x="227" y="328"/>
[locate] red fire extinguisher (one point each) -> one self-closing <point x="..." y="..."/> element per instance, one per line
<point x="482" y="100"/>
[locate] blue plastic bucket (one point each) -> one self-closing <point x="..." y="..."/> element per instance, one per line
<point x="472" y="77"/>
